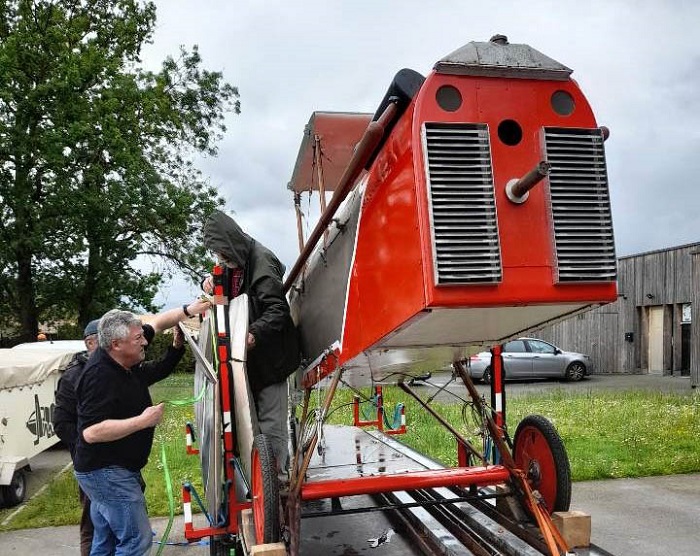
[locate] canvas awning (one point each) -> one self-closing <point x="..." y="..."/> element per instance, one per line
<point x="338" y="133"/>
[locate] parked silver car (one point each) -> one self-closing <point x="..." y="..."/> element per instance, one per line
<point x="531" y="358"/>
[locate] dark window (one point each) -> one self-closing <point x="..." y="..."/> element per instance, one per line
<point x="516" y="346"/>
<point x="562" y="103"/>
<point x="537" y="346"/>
<point x="449" y="98"/>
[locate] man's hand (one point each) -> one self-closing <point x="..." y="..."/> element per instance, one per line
<point x="152" y="415"/>
<point x="198" y="306"/>
<point x="178" y="337"/>
<point x="250" y="341"/>
<point x="208" y="285"/>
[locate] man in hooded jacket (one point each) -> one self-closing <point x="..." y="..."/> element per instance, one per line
<point x="273" y="345"/>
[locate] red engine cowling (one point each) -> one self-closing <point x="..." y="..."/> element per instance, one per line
<point x="439" y="249"/>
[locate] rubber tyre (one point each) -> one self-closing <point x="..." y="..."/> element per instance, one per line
<point x="486" y="377"/>
<point x="15" y="492"/>
<point x="575" y="371"/>
<point x="539" y="451"/>
<point x="265" y="490"/>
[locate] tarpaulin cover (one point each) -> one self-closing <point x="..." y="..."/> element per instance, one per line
<point x="23" y="367"/>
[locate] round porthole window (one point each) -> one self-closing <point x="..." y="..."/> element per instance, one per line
<point x="510" y="132"/>
<point x="562" y="103"/>
<point x="448" y="98"/>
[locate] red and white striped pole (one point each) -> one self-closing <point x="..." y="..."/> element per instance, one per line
<point x="498" y="394"/>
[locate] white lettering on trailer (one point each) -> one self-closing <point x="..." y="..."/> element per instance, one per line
<point x="499" y="402"/>
<point x="189" y="439"/>
<point x="187" y="510"/>
<point x="227" y="421"/>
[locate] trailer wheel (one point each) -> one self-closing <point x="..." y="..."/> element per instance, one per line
<point x="539" y="451"/>
<point x="15" y="492"/>
<point x="265" y="490"/>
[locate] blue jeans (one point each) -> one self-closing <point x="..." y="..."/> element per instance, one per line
<point x="118" y="512"/>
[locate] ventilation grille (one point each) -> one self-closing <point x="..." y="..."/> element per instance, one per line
<point x="463" y="210"/>
<point x="583" y="232"/>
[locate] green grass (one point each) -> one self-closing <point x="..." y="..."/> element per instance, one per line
<point x="606" y="434"/>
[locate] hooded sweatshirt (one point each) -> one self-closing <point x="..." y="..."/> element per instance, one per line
<point x="275" y="354"/>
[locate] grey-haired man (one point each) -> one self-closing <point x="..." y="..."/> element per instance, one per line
<point x="65" y="414"/>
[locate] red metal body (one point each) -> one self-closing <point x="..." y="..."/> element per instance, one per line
<point x="394" y="245"/>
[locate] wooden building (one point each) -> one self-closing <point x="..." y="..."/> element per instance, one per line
<point x="649" y="328"/>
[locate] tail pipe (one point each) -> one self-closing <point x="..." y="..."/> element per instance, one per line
<point x="517" y="190"/>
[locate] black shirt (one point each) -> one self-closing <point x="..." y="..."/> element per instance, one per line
<point x="65" y="413"/>
<point x="106" y="390"/>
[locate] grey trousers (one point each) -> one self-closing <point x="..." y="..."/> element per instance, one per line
<point x="271" y="406"/>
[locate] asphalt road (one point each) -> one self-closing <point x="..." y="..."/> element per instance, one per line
<point x="641" y="517"/>
<point x="653" y="382"/>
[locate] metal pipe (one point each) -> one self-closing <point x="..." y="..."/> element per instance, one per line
<point x="321" y="185"/>
<point x="364" y="150"/>
<point x="461" y="476"/>
<point x="300" y="223"/>
<point x="300" y="444"/>
<point x="493" y="429"/>
<point x="460" y="439"/>
<point x="298" y="481"/>
<point x="517" y="190"/>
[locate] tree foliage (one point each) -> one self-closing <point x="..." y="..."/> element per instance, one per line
<point x="96" y="158"/>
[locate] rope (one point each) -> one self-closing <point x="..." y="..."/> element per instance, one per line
<point x="166" y="470"/>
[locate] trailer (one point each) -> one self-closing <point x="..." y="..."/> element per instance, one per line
<point x="29" y="376"/>
<point x="472" y="206"/>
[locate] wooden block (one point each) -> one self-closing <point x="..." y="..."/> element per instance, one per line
<point x="574" y="526"/>
<point x="272" y="549"/>
<point x="248" y="534"/>
<point x="247" y="528"/>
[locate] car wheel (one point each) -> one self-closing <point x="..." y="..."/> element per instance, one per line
<point x="486" y="377"/>
<point x="575" y="371"/>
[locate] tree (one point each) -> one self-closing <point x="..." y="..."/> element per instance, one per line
<point x="96" y="158"/>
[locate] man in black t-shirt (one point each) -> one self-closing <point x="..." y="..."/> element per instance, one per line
<point x="66" y="415"/>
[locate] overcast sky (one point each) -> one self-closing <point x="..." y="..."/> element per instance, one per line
<point x="638" y="63"/>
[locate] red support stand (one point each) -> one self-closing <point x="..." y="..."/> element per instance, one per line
<point x="379" y="421"/>
<point x="189" y="439"/>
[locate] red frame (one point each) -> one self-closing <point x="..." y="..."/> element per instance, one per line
<point x="223" y="345"/>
